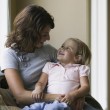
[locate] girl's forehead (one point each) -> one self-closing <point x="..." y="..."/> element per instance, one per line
<point x="70" y="42"/>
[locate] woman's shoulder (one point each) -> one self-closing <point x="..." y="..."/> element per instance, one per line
<point x="8" y="51"/>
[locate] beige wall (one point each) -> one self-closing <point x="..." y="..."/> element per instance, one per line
<point x="108" y="54"/>
<point x="13" y="11"/>
<point x="71" y="18"/>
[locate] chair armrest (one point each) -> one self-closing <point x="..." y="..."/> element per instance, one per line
<point x="3" y="82"/>
<point x="1" y="77"/>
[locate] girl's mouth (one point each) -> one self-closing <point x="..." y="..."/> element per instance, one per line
<point x="60" y="53"/>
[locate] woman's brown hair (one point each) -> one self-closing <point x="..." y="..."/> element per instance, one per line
<point x="27" y="27"/>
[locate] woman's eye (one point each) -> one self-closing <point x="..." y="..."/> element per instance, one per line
<point x="44" y="35"/>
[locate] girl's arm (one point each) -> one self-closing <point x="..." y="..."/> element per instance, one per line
<point x="83" y="89"/>
<point x="42" y="81"/>
<point x="78" y="93"/>
<point x="37" y="93"/>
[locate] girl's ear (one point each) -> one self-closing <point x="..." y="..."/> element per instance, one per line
<point x="78" y="58"/>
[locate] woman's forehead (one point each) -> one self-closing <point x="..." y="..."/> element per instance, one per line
<point x="46" y="29"/>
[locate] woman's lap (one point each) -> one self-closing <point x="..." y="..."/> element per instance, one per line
<point x="9" y="108"/>
<point x="7" y="102"/>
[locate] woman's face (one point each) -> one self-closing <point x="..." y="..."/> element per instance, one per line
<point x="44" y="36"/>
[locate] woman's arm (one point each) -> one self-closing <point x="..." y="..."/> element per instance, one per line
<point x="16" y="86"/>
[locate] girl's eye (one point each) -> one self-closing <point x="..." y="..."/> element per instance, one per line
<point x="67" y="48"/>
<point x="62" y="46"/>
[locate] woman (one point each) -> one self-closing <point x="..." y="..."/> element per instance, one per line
<point x="25" y="50"/>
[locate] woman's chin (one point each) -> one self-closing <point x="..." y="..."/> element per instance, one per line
<point x="39" y="46"/>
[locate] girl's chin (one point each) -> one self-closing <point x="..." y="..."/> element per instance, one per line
<point x="58" y="58"/>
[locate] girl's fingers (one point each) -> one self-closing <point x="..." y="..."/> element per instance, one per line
<point x="42" y="95"/>
<point x="64" y="100"/>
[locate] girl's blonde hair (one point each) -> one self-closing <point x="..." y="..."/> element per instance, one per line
<point x="83" y="51"/>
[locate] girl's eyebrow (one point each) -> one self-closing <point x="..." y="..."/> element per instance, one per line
<point x="70" y="47"/>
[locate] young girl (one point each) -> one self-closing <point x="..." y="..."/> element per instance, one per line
<point x="68" y="77"/>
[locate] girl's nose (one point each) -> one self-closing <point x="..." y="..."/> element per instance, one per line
<point x="63" y="48"/>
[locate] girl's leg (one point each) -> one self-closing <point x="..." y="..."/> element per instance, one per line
<point x="56" y="106"/>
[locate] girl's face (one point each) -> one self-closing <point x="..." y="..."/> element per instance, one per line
<point x="44" y="36"/>
<point x="66" y="53"/>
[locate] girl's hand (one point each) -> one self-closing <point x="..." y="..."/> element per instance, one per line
<point x="79" y="103"/>
<point x="70" y="100"/>
<point x="67" y="98"/>
<point x="37" y="94"/>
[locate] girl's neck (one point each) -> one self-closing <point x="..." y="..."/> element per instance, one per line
<point x="64" y="64"/>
